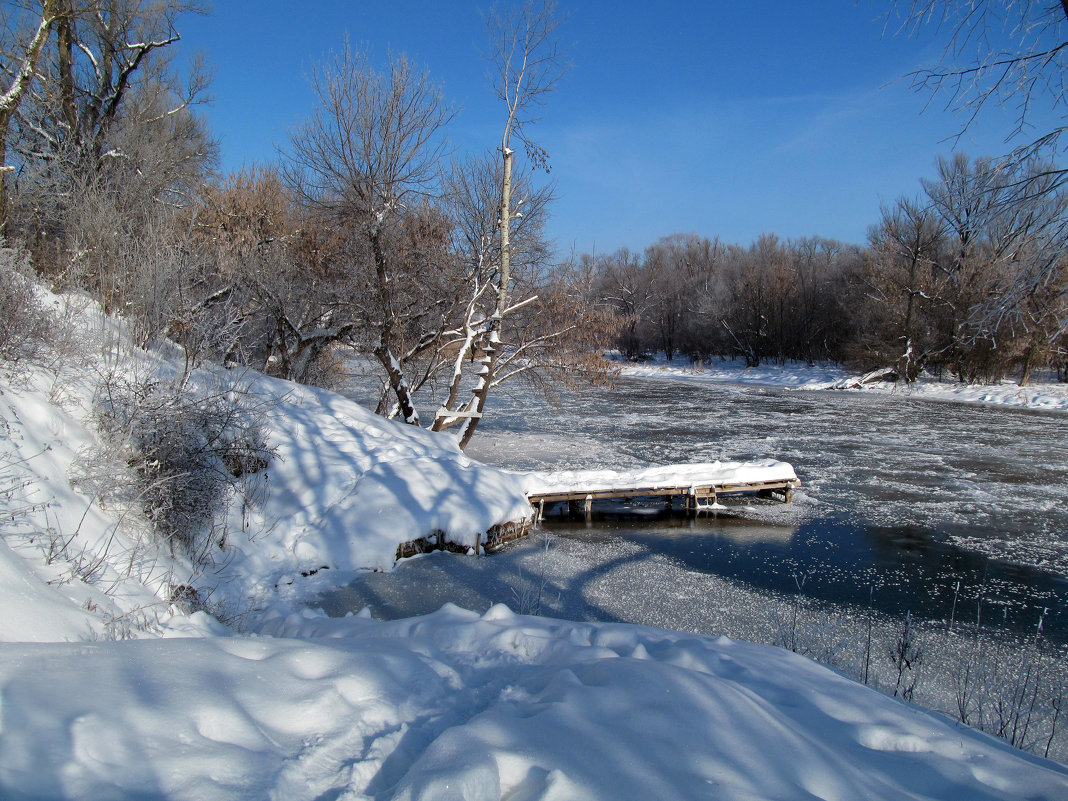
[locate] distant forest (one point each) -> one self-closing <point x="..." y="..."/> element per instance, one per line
<point x="966" y="280"/>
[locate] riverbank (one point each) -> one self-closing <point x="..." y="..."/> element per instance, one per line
<point x="1044" y="392"/>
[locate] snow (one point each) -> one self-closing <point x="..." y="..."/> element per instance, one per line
<point x="697" y="474"/>
<point x="110" y="689"/>
<point x="456" y="705"/>
<point x="794" y="374"/>
<point x="1040" y="394"/>
<point x="341" y="469"/>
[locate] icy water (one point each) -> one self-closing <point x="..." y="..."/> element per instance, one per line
<point x="907" y="505"/>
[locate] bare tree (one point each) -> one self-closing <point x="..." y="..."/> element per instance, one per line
<point x="1011" y="53"/>
<point x="553" y="337"/>
<point x="625" y="284"/>
<point x="105" y="52"/>
<point x="275" y="294"/>
<point x="682" y="271"/>
<point x="1023" y="308"/>
<point x="106" y="142"/>
<point x="474" y="207"/>
<point x="370" y="151"/>
<point x="759" y="284"/>
<point x="971" y="277"/>
<point x="904" y="283"/>
<point x="526" y="65"/>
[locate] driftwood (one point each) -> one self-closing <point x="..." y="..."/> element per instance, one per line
<point x="497" y="536"/>
<point x="889" y="374"/>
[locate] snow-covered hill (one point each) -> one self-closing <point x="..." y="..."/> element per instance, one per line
<point x="115" y="683"/>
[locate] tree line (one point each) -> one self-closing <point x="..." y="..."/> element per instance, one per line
<point x="968" y="279"/>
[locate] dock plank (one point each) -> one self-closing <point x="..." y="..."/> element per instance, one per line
<point x="699" y="481"/>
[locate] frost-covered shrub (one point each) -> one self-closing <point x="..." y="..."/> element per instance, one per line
<point x="25" y="322"/>
<point x="187" y="450"/>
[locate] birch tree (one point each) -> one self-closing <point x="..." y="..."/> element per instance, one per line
<point x="526" y="64"/>
<point x="24" y="57"/>
<point x="554" y="335"/>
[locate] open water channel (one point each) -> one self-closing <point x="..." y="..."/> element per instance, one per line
<point x="945" y="510"/>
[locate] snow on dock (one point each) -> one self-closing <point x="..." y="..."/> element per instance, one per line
<point x="700" y="484"/>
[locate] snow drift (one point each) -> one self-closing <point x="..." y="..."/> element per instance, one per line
<point x="460" y="706"/>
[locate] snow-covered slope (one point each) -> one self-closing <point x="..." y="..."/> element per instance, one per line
<point x="347" y="487"/>
<point x="110" y="690"/>
<point x="344" y="489"/>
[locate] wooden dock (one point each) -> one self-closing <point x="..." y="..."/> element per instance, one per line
<point x="698" y="486"/>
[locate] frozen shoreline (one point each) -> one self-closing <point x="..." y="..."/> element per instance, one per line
<point x="1047" y="395"/>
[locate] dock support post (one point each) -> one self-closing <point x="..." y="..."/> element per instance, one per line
<point x="589" y="508"/>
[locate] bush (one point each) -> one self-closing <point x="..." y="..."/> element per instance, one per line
<point x="25" y="322"/>
<point x="187" y="450"/>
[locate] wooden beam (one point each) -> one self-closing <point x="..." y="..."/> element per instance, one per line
<point x="699" y="491"/>
<point x="443" y="412"/>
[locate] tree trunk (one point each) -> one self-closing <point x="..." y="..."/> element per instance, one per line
<point x="442" y="422"/>
<point x="384" y="353"/>
<point x="13" y="96"/>
<point x="399" y="384"/>
<point x="492" y="340"/>
<point x="1030" y="356"/>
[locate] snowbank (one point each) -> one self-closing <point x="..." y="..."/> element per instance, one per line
<point x="345" y="489"/>
<point x="793" y="374"/>
<point x="1039" y="395"/>
<point x="459" y="706"/>
<point x="71" y="565"/>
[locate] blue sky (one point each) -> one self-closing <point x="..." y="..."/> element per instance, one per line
<point x="719" y="117"/>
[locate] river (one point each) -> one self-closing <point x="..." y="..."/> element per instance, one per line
<point x="944" y="510"/>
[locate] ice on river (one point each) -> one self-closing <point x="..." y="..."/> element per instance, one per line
<point x="987" y="478"/>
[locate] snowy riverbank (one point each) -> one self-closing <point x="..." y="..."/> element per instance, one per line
<point x="115" y="681"/>
<point x="1042" y="393"/>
